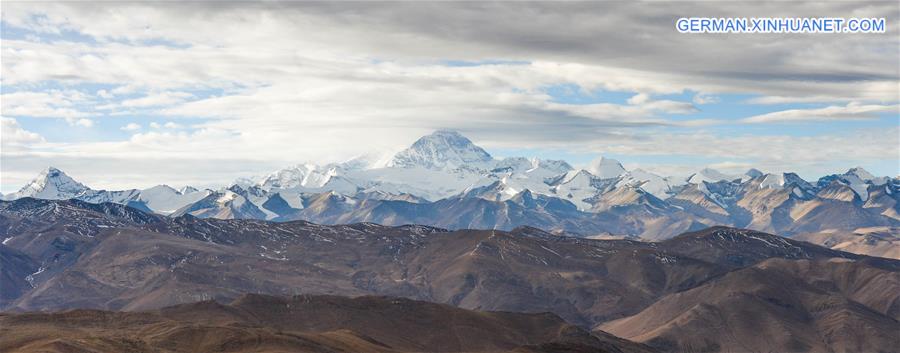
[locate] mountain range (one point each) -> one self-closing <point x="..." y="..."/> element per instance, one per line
<point x="445" y="180"/>
<point x="719" y="289"/>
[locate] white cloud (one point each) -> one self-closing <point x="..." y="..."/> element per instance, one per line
<point x="811" y="156"/>
<point x="48" y="104"/>
<point x="851" y="111"/>
<point x="13" y="134"/>
<point x="705" y="99"/>
<point x="671" y="107"/>
<point x="157" y="99"/>
<point x="289" y="38"/>
<point x="105" y="94"/>
<point x="699" y="122"/>
<point x="639" y="98"/>
<point x="731" y="166"/>
<point x="131" y="127"/>
<point x="289" y="80"/>
<point x="81" y="122"/>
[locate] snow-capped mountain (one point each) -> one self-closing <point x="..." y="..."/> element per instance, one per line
<point x="54" y="184"/>
<point x="579" y="186"/>
<point x="791" y="181"/>
<point x="445" y="164"/>
<point x="164" y="199"/>
<point x="496" y="191"/>
<point x="661" y="187"/>
<point x="711" y="175"/>
<point x="857" y="179"/>
<point x="442" y="150"/>
<point x="606" y="168"/>
<point x="531" y="166"/>
<point x="51" y="184"/>
<point x="224" y="204"/>
<point x="301" y="176"/>
<point x="434" y="167"/>
<point x="444" y="179"/>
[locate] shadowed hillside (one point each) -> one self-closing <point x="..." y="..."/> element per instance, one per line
<point x="256" y="323"/>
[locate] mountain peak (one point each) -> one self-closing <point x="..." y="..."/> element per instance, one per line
<point x="710" y="175"/>
<point x="497" y="191"/>
<point x="51" y="184"/>
<point x="302" y="175"/>
<point x="187" y="189"/>
<point x="754" y="173"/>
<point x="448" y="133"/>
<point x="861" y="173"/>
<point x="443" y="149"/>
<point x="162" y="188"/>
<point x="606" y="168"/>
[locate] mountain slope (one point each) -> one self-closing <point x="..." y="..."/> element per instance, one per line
<point x="872" y="241"/>
<point x="255" y="323"/>
<point x="15" y="269"/>
<point x="222" y="205"/>
<point x="776" y="305"/>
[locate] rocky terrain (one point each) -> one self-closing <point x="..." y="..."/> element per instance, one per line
<point x="257" y="323"/>
<point x="72" y="254"/>
<point x="873" y="241"/>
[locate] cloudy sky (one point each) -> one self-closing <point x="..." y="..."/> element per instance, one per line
<point x="133" y="94"/>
